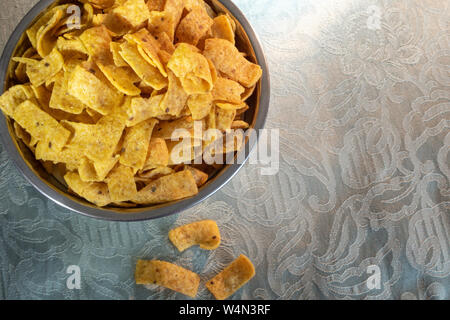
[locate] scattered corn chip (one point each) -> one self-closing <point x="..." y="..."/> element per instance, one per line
<point x="204" y="233"/>
<point x="167" y="275"/>
<point x="233" y="277"/>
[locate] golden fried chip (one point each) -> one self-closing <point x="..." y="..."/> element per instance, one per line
<point x="199" y="176"/>
<point x="149" y="74"/>
<point x="156" y="5"/>
<point x="39" y="71"/>
<point x="142" y="109"/>
<point x="168" y="188"/>
<point x="192" y="68"/>
<point x="231" y="62"/>
<point x="239" y="124"/>
<point x="45" y="40"/>
<point x="61" y="99"/>
<point x="97" y="42"/>
<point x="175" y="98"/>
<point x="115" y="49"/>
<point x="136" y="143"/>
<point x="95" y="192"/>
<point x="41" y="125"/>
<point x="167" y="275"/>
<point x="227" y="90"/>
<point x="89" y="139"/>
<point x="222" y="28"/>
<point x="204" y="233"/>
<point x="41" y="22"/>
<point x="155" y="173"/>
<point x="233" y="277"/>
<point x="96" y="171"/>
<point x="121" y="184"/>
<point x="135" y="12"/>
<point x="230" y="106"/>
<point x="224" y="118"/>
<point x="161" y="21"/>
<point x="166" y="129"/>
<point x="93" y="92"/>
<point x="165" y="44"/>
<point x="200" y="105"/>
<point x="248" y="93"/>
<point x="193" y="26"/>
<point x="158" y="154"/>
<point x="13" y="97"/>
<point x="150" y="47"/>
<point x="100" y="4"/>
<point x="174" y="9"/>
<point x="69" y="157"/>
<point x="71" y="48"/>
<point x="20" y="71"/>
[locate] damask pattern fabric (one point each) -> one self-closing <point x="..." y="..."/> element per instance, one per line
<point x="361" y="98"/>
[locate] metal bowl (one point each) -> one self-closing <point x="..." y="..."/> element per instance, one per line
<point x="33" y="171"/>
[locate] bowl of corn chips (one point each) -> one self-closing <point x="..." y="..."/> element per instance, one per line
<point x="131" y="110"/>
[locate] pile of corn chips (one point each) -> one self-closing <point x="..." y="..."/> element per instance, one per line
<point x="97" y="99"/>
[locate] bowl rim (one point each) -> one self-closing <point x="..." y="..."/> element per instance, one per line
<point x="158" y="211"/>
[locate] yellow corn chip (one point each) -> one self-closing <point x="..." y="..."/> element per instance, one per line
<point x="118" y="60"/>
<point x="200" y="105"/>
<point x="165" y="44"/>
<point x="156" y="173"/>
<point x="20" y="71"/>
<point x="93" y="92"/>
<point x="136" y="143"/>
<point x="150" y="46"/>
<point x="135" y="12"/>
<point x="175" y="98"/>
<point x="96" y="171"/>
<point x="41" y="22"/>
<point x="95" y="192"/>
<point x="227" y="90"/>
<point x="248" y="93"/>
<point x="174" y="9"/>
<point x="224" y="118"/>
<point x="165" y="129"/>
<point x="89" y="139"/>
<point x="61" y="99"/>
<point x="142" y="109"/>
<point x="168" y="188"/>
<point x="121" y="184"/>
<point x="158" y="154"/>
<point x="230" y="106"/>
<point x="192" y="68"/>
<point x="39" y="71"/>
<point x="149" y="74"/>
<point x="71" y="48"/>
<point x="239" y="124"/>
<point x="199" y="176"/>
<point x="161" y="21"/>
<point x="100" y="4"/>
<point x="231" y="62"/>
<point x="156" y="5"/>
<point x="222" y="28"/>
<point x="167" y="275"/>
<point x="193" y="26"/>
<point x="204" y="233"/>
<point x="13" y="97"/>
<point x="97" y="42"/>
<point x="41" y="125"/>
<point x="45" y="40"/>
<point x="233" y="277"/>
<point x="122" y="78"/>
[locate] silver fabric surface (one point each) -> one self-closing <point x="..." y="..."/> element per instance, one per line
<point x="361" y="98"/>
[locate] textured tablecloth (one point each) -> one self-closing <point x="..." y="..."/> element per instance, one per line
<point x="361" y="98"/>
